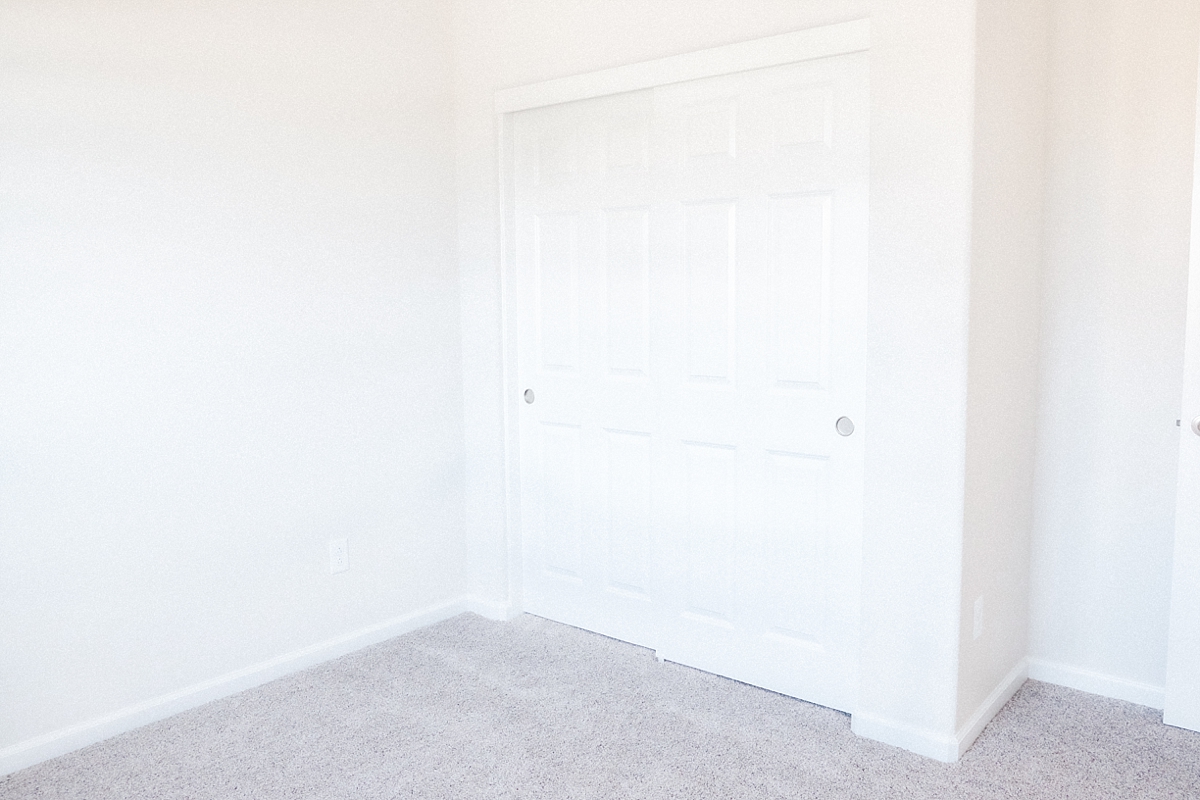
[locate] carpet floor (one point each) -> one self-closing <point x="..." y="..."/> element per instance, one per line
<point x="530" y="709"/>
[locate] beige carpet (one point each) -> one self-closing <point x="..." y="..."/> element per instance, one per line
<point x="532" y="709"/>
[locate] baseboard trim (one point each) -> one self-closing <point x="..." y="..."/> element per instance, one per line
<point x="931" y="744"/>
<point x="990" y="707"/>
<point x="921" y="741"/>
<point x="65" y="740"/>
<point x="1144" y="694"/>
<point x="492" y="609"/>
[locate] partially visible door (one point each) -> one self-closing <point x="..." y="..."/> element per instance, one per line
<point x="1182" y="703"/>
<point x="691" y="270"/>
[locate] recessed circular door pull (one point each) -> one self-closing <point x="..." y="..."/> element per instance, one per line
<point x="529" y="396"/>
<point x="845" y="426"/>
<point x="1196" y="426"/>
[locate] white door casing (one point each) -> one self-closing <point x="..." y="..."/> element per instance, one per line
<point x="1182" y="700"/>
<point x="688" y="277"/>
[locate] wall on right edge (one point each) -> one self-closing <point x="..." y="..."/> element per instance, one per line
<point x="1119" y="165"/>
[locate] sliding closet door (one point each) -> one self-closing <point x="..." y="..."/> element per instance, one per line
<point x="691" y="270"/>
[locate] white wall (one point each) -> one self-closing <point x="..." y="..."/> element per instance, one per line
<point x="1006" y="251"/>
<point x="1120" y="122"/>
<point x="228" y="333"/>
<point x="922" y="86"/>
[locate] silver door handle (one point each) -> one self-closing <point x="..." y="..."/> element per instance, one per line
<point x="1196" y="426"/>
<point x="844" y="426"/>
<point x="529" y="396"/>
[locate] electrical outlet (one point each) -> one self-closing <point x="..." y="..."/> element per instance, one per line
<point x="978" y="629"/>
<point x="339" y="555"/>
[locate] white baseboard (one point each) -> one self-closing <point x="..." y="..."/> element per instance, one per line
<point x="950" y="748"/>
<point x="938" y="746"/>
<point x="919" y="740"/>
<point x="60" y="742"/>
<point x="492" y="609"/>
<point x="1144" y="694"/>
<point x="990" y="707"/>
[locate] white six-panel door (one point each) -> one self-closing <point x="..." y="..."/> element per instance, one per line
<point x="691" y="285"/>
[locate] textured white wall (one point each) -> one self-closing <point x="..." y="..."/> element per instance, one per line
<point x="922" y="86"/>
<point x="1006" y="251"/>
<point x="228" y="333"/>
<point x="1120" y="122"/>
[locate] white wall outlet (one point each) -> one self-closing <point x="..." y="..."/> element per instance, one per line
<point x="339" y="555"/>
<point x="978" y="628"/>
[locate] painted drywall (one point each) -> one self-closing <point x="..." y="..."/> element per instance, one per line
<point x="1120" y="125"/>
<point x="922" y="84"/>
<point x="922" y="73"/>
<point x="228" y="334"/>
<point x="1011" y="52"/>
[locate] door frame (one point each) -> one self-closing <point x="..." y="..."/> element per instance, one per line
<point x="789" y="48"/>
<point x="1181" y="705"/>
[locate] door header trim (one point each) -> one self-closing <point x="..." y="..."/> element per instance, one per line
<point x="773" y="51"/>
